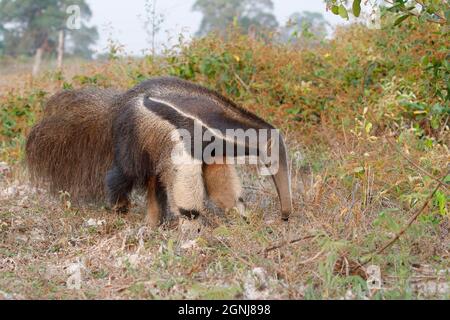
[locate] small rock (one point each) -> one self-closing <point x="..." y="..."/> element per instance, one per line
<point x="22" y="238"/>
<point x="5" y="169"/>
<point x="23" y="201"/>
<point x="94" y="223"/>
<point x="6" y="296"/>
<point x="74" y="280"/>
<point x="7" y="264"/>
<point x="36" y="235"/>
<point x="133" y="260"/>
<point x="8" y="192"/>
<point x="374" y="281"/>
<point x="190" y="227"/>
<point x="190" y="244"/>
<point x="256" y="285"/>
<point x="349" y="295"/>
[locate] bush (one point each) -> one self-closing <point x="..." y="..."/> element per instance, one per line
<point x="390" y="80"/>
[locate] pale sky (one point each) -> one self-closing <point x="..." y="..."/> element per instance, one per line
<point x="122" y="21"/>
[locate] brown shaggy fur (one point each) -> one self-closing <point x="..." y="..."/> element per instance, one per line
<point x="71" y="148"/>
<point x="92" y="137"/>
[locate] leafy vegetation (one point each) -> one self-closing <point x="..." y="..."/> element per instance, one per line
<point x="432" y="11"/>
<point x="366" y="116"/>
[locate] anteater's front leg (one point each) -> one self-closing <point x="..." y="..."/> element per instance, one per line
<point x="188" y="189"/>
<point x="185" y="188"/>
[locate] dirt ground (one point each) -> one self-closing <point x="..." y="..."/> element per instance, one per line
<point x="51" y="248"/>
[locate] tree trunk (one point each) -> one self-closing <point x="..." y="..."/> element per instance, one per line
<point x="37" y="61"/>
<point x="252" y="32"/>
<point x="61" y="41"/>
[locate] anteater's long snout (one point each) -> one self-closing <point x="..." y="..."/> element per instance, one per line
<point x="277" y="163"/>
<point x="282" y="180"/>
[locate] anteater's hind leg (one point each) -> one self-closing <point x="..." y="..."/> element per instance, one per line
<point x="118" y="189"/>
<point x="154" y="213"/>
<point x="223" y="186"/>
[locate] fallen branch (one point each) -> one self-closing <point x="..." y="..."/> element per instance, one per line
<point x="233" y="252"/>
<point x="313" y="258"/>
<point x="283" y="243"/>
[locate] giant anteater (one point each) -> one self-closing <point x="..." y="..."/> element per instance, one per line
<point x="97" y="142"/>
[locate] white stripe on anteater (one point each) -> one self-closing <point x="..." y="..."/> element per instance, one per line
<point x="217" y="132"/>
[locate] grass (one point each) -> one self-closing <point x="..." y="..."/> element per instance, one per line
<point x="216" y="256"/>
<point x="366" y="122"/>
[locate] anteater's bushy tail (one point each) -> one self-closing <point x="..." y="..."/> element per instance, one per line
<point x="71" y="148"/>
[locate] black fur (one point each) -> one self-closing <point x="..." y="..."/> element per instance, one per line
<point x="134" y="164"/>
<point x="190" y="214"/>
<point x="118" y="188"/>
<point x="179" y="121"/>
<point x="161" y="196"/>
<point x="129" y="156"/>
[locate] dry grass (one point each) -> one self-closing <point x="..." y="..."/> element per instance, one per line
<point x="338" y="105"/>
<point x="46" y="243"/>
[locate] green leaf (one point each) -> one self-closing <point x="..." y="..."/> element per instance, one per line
<point x="356" y="8"/>
<point x="401" y="19"/>
<point x="386" y="220"/>
<point x="358" y="170"/>
<point x="395" y="7"/>
<point x="441" y="201"/>
<point x="425" y="61"/>
<point x="447" y="179"/>
<point x="368" y="127"/>
<point x="335" y="10"/>
<point x="293" y="111"/>
<point x="343" y="12"/>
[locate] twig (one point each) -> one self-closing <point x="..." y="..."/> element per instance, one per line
<point x="313" y="258"/>
<point x="283" y="243"/>
<point x="410" y="222"/>
<point x="242" y="82"/>
<point x="233" y="252"/>
<point x="259" y="189"/>
<point x="444" y="126"/>
<point x="441" y="18"/>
